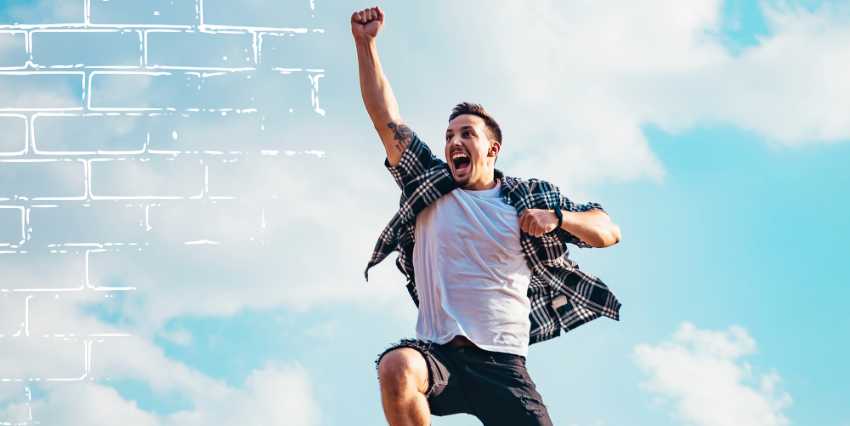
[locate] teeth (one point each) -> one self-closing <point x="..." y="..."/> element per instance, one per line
<point x="458" y="155"/>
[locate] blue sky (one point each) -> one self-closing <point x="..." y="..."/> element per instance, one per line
<point x="714" y="133"/>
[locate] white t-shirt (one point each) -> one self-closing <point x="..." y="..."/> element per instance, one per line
<point x="471" y="274"/>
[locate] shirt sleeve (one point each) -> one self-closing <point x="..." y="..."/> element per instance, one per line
<point x="416" y="159"/>
<point x="569" y="205"/>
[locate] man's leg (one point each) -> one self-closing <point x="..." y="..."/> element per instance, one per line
<point x="501" y="390"/>
<point x="403" y="376"/>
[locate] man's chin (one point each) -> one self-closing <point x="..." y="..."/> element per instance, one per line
<point x="462" y="180"/>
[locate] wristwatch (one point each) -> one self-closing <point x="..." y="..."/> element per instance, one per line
<point x="560" y="215"/>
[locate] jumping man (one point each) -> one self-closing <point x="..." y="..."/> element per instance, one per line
<point x="489" y="252"/>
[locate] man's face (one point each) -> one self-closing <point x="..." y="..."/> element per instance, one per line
<point x="470" y="153"/>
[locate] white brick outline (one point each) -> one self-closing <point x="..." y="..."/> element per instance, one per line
<point x="262" y="35"/>
<point x="86" y="72"/>
<point x="88" y="283"/>
<point x="23" y="226"/>
<point x="57" y="290"/>
<point x="141" y="197"/>
<point x="82" y="75"/>
<point x="36" y="66"/>
<point x="94" y="73"/>
<point x="26" y="50"/>
<point x="27" y="133"/>
<point x="87" y="357"/>
<point x="202" y="27"/>
<point x="50" y="160"/>
<point x="29" y="420"/>
<point x="34" y="140"/>
<point x="149" y="66"/>
<point x="256" y="33"/>
<point x="314" y="92"/>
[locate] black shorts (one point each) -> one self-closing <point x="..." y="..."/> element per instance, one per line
<point x="493" y="386"/>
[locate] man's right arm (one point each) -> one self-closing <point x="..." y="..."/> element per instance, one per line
<point x="377" y="94"/>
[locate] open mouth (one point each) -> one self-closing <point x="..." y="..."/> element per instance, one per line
<point x="461" y="162"/>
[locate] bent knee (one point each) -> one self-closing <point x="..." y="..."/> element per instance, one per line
<point x="403" y="367"/>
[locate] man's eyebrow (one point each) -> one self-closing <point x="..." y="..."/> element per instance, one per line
<point x="462" y="128"/>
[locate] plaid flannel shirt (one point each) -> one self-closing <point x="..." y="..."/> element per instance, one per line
<point x="561" y="295"/>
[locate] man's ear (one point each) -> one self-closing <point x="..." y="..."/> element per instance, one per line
<point x="495" y="147"/>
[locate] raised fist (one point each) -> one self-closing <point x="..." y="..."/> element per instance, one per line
<point x="536" y="222"/>
<point x="366" y="23"/>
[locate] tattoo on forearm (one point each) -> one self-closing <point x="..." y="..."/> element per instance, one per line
<point x="402" y="134"/>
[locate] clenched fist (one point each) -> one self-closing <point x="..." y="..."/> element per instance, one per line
<point x="537" y="222"/>
<point x="366" y="24"/>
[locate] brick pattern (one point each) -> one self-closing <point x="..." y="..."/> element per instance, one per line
<point x="126" y="126"/>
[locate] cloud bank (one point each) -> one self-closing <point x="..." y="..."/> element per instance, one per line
<point x="594" y="74"/>
<point x="701" y="373"/>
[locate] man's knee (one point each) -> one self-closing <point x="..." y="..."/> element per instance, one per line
<point x="401" y="369"/>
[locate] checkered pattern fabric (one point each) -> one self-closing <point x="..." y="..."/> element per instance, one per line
<point x="561" y="295"/>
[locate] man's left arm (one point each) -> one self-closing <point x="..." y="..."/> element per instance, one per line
<point x="593" y="227"/>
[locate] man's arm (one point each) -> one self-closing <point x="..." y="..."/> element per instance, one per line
<point x="594" y="227"/>
<point x="377" y="94"/>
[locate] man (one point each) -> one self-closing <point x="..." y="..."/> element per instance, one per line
<point x="492" y="273"/>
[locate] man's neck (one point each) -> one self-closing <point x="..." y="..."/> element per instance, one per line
<point x="483" y="184"/>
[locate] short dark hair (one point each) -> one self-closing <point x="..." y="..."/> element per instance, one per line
<point x="477" y="109"/>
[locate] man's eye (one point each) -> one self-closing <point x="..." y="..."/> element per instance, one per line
<point x="465" y="134"/>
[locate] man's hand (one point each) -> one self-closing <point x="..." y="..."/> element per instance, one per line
<point x="366" y="23"/>
<point x="593" y="227"/>
<point x="537" y="222"/>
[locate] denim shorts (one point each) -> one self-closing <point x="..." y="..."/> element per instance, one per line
<point x="493" y="386"/>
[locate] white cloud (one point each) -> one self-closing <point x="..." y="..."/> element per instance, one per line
<point x="274" y="394"/>
<point x="790" y="88"/>
<point x="594" y="73"/>
<point x="271" y="395"/>
<point x="89" y="404"/>
<point x="310" y="226"/>
<point x="319" y="239"/>
<point x="702" y="374"/>
<point x="178" y="337"/>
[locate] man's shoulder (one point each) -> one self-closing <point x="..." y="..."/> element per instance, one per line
<point x="531" y="184"/>
<point x="417" y="165"/>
